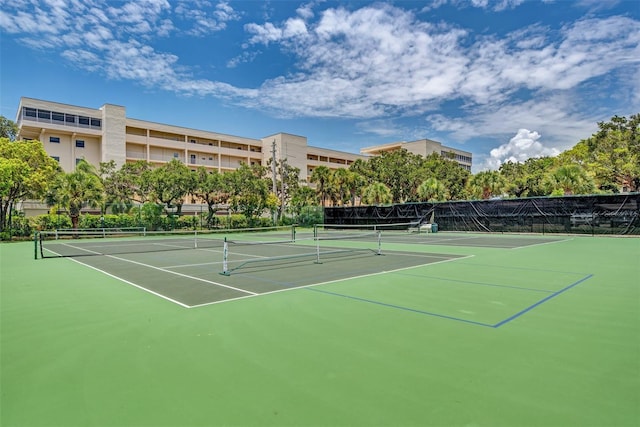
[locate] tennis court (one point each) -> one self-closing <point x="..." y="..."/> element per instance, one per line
<point x="388" y="328"/>
<point x="192" y="269"/>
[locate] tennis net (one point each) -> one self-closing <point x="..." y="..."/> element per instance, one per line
<point x="238" y="255"/>
<point x="76" y="243"/>
<point x="358" y="230"/>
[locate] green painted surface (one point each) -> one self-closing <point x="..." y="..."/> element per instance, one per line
<point x="80" y="348"/>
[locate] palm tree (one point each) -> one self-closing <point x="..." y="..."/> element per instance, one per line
<point x="74" y="190"/>
<point x="303" y="197"/>
<point x="340" y="183"/>
<point x="486" y="184"/>
<point x="376" y="194"/>
<point x="431" y="189"/>
<point x="321" y="176"/>
<point x="570" y="179"/>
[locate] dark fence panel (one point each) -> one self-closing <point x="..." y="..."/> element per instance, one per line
<point x="595" y="214"/>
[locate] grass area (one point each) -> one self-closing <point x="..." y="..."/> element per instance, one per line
<point x="81" y="348"/>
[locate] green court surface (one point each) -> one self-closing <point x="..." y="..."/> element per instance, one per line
<point x="444" y="329"/>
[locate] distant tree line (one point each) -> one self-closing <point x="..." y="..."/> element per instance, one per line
<point x="606" y="162"/>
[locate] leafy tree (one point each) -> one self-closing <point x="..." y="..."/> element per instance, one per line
<point x="361" y="167"/>
<point x="526" y="179"/>
<point x="288" y="181"/>
<point x="211" y="187"/>
<point x="400" y="171"/>
<point x="169" y="184"/>
<point x="376" y="194"/>
<point x="117" y="188"/>
<point x="26" y="172"/>
<point x="611" y="156"/>
<point x="615" y="153"/>
<point x="272" y="203"/>
<point x="249" y="190"/>
<point x="450" y="174"/>
<point x="126" y="185"/>
<point x="8" y="129"/>
<point x="75" y="190"/>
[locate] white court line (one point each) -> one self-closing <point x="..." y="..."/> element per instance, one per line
<point x="543" y="243"/>
<point x="330" y="281"/>
<point x="132" y="284"/>
<point x="250" y="294"/>
<point x="191" y="265"/>
<point x="159" y="269"/>
<point x="182" y="275"/>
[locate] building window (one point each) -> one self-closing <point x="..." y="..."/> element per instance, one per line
<point x="70" y="118"/>
<point x="96" y="123"/>
<point x="30" y="112"/>
<point x="78" y="161"/>
<point x="57" y="117"/>
<point x="192" y="157"/>
<point x="83" y="121"/>
<point x="56" y="158"/>
<point x="79" y="143"/>
<point x="44" y="114"/>
<point x="54" y="139"/>
<point x="176" y="155"/>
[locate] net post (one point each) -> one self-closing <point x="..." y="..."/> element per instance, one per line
<point x="318" y="251"/>
<point x="35" y="245"/>
<point x="195" y="239"/>
<point x="293" y="233"/>
<point x="379" y="251"/>
<point x="225" y="252"/>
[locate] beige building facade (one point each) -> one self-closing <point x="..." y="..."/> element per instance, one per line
<point x="70" y="133"/>
<point x="423" y="147"/>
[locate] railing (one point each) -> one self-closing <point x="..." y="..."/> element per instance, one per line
<point x="63" y="120"/>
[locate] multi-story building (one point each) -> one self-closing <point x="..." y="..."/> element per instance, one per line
<point x="71" y="133"/>
<point x="423" y="147"/>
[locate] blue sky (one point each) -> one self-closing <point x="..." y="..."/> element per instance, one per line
<point x="503" y="79"/>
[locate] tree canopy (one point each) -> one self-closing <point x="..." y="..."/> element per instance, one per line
<point x="8" y="129"/>
<point x="26" y="172"/>
<point x="75" y="190"/>
<point x="607" y="162"/>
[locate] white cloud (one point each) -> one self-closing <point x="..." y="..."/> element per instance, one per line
<point x="264" y="33"/>
<point x="553" y="116"/>
<point x="376" y="63"/>
<point x="524" y="145"/>
<point x="366" y="62"/>
<point x="205" y="18"/>
<point x="496" y="5"/>
<point x="395" y="63"/>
